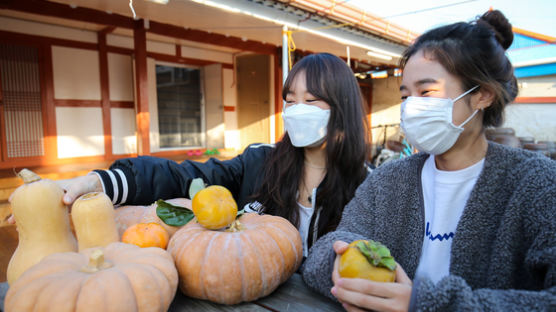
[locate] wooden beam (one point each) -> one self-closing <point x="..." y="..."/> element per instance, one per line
<point x="60" y="10"/>
<point x="26" y="39"/>
<point x="141" y="83"/>
<point x="77" y="103"/>
<point x="105" y="93"/>
<point x="120" y="50"/>
<point x="278" y="123"/>
<point x="174" y="59"/>
<point x="535" y="100"/>
<point x="107" y="30"/>
<point x="122" y="104"/>
<point x="210" y="38"/>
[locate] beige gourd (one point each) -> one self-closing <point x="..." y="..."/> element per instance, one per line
<point x="42" y="223"/>
<point x="118" y="277"/>
<point x="94" y="222"/>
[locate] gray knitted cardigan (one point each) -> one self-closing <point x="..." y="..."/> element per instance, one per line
<point x="504" y="248"/>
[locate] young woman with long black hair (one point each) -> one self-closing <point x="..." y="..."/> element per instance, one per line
<point x="307" y="177"/>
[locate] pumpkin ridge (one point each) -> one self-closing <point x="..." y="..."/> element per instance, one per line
<point x="181" y="235"/>
<point x="21" y="292"/>
<point x="94" y="279"/>
<point x="83" y="280"/>
<point x="283" y="266"/>
<point x="205" y="255"/>
<point x="289" y="239"/>
<point x="41" y="302"/>
<point x="261" y="268"/>
<point x="178" y="254"/>
<point x="162" y="260"/>
<point x="139" y="259"/>
<point x="156" y="267"/>
<point x="241" y="266"/>
<point x="226" y="244"/>
<point x="127" y="271"/>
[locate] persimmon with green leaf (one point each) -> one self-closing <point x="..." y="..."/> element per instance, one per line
<point x="369" y="260"/>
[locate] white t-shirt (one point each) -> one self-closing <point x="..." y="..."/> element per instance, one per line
<point x="305" y="215"/>
<point x="445" y="194"/>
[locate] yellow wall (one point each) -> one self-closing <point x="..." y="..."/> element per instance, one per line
<point x="232" y="139"/>
<point x="79" y="131"/>
<point x="385" y="107"/>
<point x="76" y="73"/>
<point x="120" y="77"/>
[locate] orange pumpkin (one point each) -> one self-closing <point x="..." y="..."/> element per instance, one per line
<point x="243" y="263"/>
<point x="119" y="277"/>
<point x="146" y="235"/>
<point x="127" y="216"/>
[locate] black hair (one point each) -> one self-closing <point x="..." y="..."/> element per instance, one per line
<point x="329" y="79"/>
<point x="475" y="52"/>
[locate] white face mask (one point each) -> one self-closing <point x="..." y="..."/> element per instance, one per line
<point x="305" y="124"/>
<point x="427" y="123"/>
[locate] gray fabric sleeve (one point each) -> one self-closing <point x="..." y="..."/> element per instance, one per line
<point x="317" y="269"/>
<point x="453" y="294"/>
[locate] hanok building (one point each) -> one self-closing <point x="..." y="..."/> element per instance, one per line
<point x="87" y="81"/>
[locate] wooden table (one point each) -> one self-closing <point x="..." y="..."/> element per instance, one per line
<point x="293" y="295"/>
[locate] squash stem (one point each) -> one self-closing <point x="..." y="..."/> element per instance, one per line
<point x="96" y="262"/>
<point x="28" y="176"/>
<point x="236" y="226"/>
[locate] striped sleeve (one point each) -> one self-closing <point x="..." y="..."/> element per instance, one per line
<point x="115" y="185"/>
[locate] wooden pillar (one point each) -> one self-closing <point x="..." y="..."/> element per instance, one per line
<point x="278" y="102"/>
<point x="370" y="104"/>
<point x="105" y="94"/>
<point x="3" y="142"/>
<point x="141" y="84"/>
<point x="47" y="99"/>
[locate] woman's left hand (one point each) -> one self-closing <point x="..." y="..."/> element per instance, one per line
<point x="357" y="294"/>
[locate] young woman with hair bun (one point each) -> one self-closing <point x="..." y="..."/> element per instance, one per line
<point x="471" y="223"/>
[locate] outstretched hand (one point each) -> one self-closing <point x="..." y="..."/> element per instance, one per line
<point x="73" y="188"/>
<point x="78" y="186"/>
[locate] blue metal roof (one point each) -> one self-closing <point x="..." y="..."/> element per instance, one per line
<point x="526" y="49"/>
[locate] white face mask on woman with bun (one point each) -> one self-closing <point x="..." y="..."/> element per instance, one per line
<point x="427" y="122"/>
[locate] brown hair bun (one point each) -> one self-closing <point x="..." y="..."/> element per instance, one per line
<point x="500" y="25"/>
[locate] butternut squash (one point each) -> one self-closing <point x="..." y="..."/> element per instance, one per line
<point x="94" y="221"/>
<point x="42" y="223"/>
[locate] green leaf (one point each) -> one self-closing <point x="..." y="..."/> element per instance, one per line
<point x="388" y="263"/>
<point x="173" y="215"/>
<point x="196" y="185"/>
<point x="377" y="254"/>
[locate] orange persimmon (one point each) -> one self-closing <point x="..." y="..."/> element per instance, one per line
<point x="214" y="207"/>
<point x="146" y="235"/>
